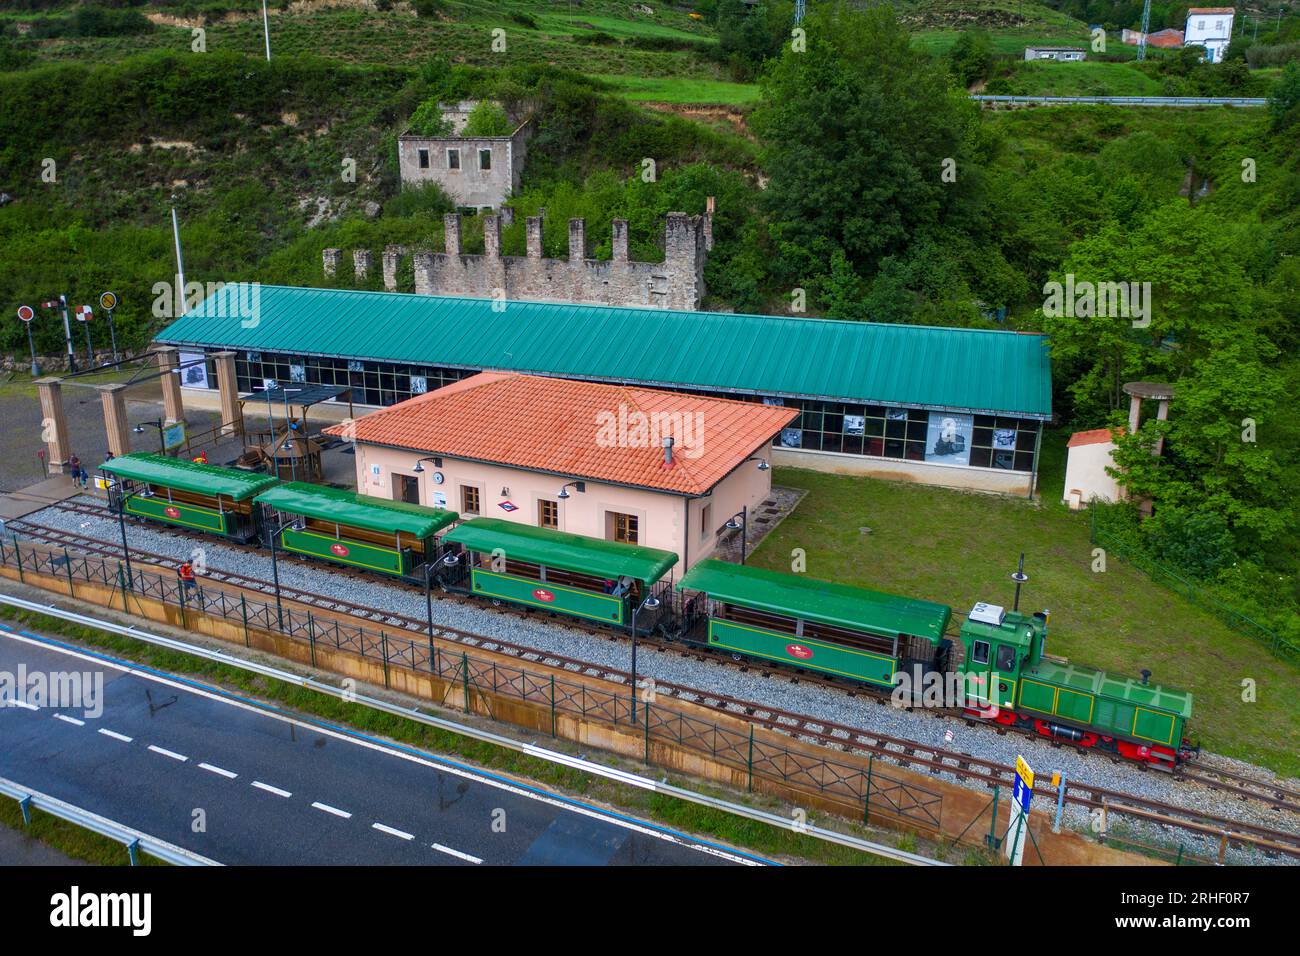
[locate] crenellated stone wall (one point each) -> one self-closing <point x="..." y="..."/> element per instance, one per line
<point x="675" y="283"/>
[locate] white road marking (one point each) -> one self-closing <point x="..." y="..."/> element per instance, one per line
<point x="397" y="833"/>
<point x="168" y="753"/>
<point x="456" y="853"/>
<point x="457" y="771"/>
<point x="115" y="735"/>
<point x="270" y="789"/>
<point x="218" y="771"/>
<point x="334" y="810"/>
<point x="70" y="720"/>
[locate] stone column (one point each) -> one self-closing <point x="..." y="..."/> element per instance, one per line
<point x="362" y="262"/>
<point x="54" y="426"/>
<point x="533" y="230"/>
<point x="577" y="240"/>
<point x="451" y="233"/>
<point x="491" y="236"/>
<point x="620" y="240"/>
<point x="113" y="398"/>
<point x="392" y="261"/>
<point x="330" y="261"/>
<point x="168" y="366"/>
<point x="232" y="414"/>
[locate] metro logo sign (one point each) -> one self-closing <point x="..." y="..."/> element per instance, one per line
<point x="544" y="595"/>
<point x="799" y="651"/>
<point x="339" y="550"/>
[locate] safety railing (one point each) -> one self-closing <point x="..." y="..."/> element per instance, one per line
<point x="758" y="757"/>
<point x="1128" y="100"/>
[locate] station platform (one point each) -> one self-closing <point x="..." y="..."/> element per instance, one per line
<point x="25" y="501"/>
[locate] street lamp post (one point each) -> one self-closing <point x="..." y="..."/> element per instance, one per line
<point x="649" y="604"/>
<point x="158" y="424"/>
<point x="743" y="525"/>
<point x="115" y="484"/>
<point x="296" y="524"/>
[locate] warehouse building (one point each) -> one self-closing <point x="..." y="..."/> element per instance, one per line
<point x="955" y="407"/>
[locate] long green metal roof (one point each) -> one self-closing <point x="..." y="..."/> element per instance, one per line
<point x="823" y="601"/>
<point x="911" y="365"/>
<point x="558" y="549"/>
<point x="359" y="511"/>
<point x="188" y="475"/>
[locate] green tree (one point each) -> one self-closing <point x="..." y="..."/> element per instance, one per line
<point x="488" y="119"/>
<point x="858" y="132"/>
<point x="971" y="57"/>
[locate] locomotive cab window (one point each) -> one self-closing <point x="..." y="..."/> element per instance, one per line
<point x="980" y="652"/>
<point x="1006" y="658"/>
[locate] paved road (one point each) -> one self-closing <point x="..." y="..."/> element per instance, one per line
<point x="268" y="788"/>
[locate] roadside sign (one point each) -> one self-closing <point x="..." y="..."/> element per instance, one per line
<point x="1018" y="825"/>
<point x="174" y="435"/>
<point x="108" y="301"/>
<point x="84" y="313"/>
<point x="26" y="313"/>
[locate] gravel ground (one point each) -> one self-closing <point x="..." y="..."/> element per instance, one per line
<point x="777" y="691"/>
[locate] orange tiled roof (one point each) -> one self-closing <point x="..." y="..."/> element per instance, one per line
<point x="1094" y="437"/>
<point x="584" y="429"/>
<point x="1166" y="38"/>
<point x="1208" y="10"/>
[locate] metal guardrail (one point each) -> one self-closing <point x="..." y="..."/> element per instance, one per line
<point x="1129" y="100"/>
<point x="352" y="696"/>
<point x="132" y="839"/>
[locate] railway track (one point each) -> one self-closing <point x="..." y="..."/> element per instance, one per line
<point x="907" y="753"/>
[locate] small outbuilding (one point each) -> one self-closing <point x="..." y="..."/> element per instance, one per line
<point x="635" y="465"/>
<point x="1061" y="54"/>
<point x="1089" y="455"/>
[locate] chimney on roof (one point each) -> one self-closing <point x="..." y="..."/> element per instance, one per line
<point x="668" y="452"/>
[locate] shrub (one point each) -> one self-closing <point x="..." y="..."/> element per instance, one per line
<point x="488" y="119"/>
<point x="428" y="120"/>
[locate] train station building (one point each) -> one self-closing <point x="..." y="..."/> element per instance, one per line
<point x="955" y="407"/>
<point x="634" y="465"/>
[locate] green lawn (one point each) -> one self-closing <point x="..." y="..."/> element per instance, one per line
<point x="1090" y="78"/>
<point x="672" y="90"/>
<point x="960" y="548"/>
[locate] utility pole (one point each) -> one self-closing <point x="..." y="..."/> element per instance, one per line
<point x="180" y="264"/>
<point x="1146" y="25"/>
<point x="266" y="29"/>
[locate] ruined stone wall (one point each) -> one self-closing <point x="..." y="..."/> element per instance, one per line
<point x="468" y="185"/>
<point x="675" y="283"/>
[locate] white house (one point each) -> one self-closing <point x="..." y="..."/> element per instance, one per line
<point x="1089" y="454"/>
<point x="1061" y="54"/>
<point x="1210" y="27"/>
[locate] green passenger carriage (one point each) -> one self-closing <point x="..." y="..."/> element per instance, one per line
<point x="816" y="625"/>
<point x="188" y="494"/>
<point x="377" y="534"/>
<point x="586" y="577"/>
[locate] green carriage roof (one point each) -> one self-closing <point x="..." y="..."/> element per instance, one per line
<point x="1129" y="689"/>
<point x="356" y="510"/>
<point x="822" y="601"/>
<point x="188" y="475"/>
<point x="558" y="549"/>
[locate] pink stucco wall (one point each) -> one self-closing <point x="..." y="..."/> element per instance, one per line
<point x="661" y="515"/>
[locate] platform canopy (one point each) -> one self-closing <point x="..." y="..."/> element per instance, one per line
<point x="838" y="605"/>
<point x="354" y="510"/>
<point x="558" y="549"/>
<point x="188" y="475"/>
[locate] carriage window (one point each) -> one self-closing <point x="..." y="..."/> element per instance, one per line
<point x="1006" y="658"/>
<point x="980" y="653"/>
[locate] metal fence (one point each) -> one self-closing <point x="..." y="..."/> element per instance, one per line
<point x="438" y="655"/>
<point x="1175" y="582"/>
